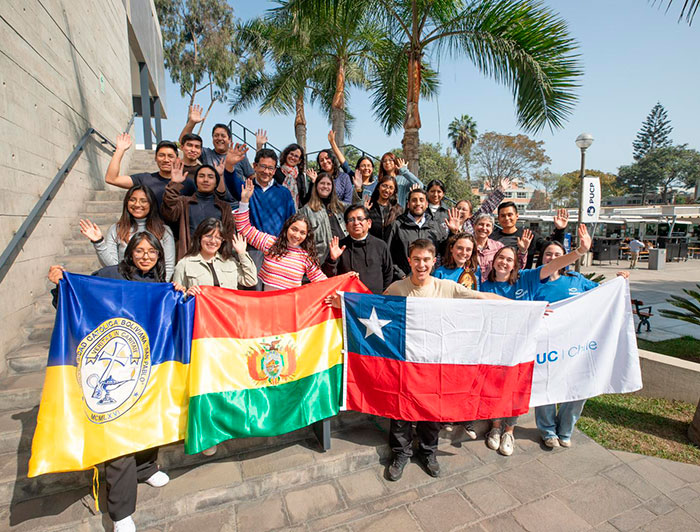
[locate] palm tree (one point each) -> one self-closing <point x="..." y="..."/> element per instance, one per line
<point x="688" y="10"/>
<point x="462" y="131"/>
<point x="521" y="44"/>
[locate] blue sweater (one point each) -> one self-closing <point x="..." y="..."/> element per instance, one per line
<point x="269" y="209"/>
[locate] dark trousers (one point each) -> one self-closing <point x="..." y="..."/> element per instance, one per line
<point x="401" y="438"/>
<point x="123" y="475"/>
<point x="257" y="257"/>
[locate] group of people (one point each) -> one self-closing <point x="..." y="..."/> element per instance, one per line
<point x="207" y="217"/>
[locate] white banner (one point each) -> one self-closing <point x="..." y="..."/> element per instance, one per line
<point x="591" y="199"/>
<point x="587" y="347"/>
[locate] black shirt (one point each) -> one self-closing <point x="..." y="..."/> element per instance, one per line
<point x="157" y="183"/>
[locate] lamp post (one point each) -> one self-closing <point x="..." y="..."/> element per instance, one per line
<point x="583" y="141"/>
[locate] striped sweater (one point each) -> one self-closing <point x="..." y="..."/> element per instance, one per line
<point x="278" y="272"/>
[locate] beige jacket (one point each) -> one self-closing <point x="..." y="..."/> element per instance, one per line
<point x="191" y="271"/>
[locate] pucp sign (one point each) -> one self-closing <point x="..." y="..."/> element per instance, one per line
<point x="591" y="199"/>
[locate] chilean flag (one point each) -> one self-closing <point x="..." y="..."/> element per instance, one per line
<point x="425" y="359"/>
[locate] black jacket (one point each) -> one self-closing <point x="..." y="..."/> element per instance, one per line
<point x="369" y="257"/>
<point x="538" y="242"/>
<point x="405" y="231"/>
<point x="378" y="228"/>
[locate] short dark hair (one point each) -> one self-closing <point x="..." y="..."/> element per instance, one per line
<point x="199" y="169"/>
<point x="416" y="191"/>
<point x="507" y="204"/>
<point x="166" y="144"/>
<point x="422" y="243"/>
<point x="265" y="153"/>
<point x="191" y="136"/>
<point x="221" y="126"/>
<point x="206" y="226"/>
<point x="355" y="207"/>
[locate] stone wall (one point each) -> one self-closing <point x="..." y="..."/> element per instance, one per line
<point x="64" y="67"/>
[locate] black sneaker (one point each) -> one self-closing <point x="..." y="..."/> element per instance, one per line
<point x="396" y="467"/>
<point x="431" y="465"/>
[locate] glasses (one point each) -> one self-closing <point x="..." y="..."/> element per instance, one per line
<point x="213" y="238"/>
<point x="293" y="156"/>
<point x="266" y="167"/>
<point x="358" y="220"/>
<point x="140" y="253"/>
<point x="137" y="201"/>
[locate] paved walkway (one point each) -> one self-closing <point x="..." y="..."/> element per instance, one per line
<point x="654" y="287"/>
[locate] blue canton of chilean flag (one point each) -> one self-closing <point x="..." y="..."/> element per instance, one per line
<point x="425" y="359"/>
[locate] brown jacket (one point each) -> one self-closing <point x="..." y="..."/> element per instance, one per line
<point x="175" y="208"/>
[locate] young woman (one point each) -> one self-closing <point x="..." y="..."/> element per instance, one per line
<point x="436" y="210"/>
<point x="143" y="261"/>
<point x="190" y="211"/>
<point x="487" y="248"/>
<point x="397" y="168"/>
<point x="384" y="207"/>
<point x="328" y="163"/>
<point x="460" y="262"/>
<point x="556" y="427"/>
<point x="325" y="213"/>
<point x="291" y="173"/>
<point x="507" y="280"/>
<point x="463" y="211"/>
<point x="289" y="256"/>
<point x="362" y="177"/>
<point x="139" y="213"/>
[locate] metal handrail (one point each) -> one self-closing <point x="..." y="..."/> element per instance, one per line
<point x="244" y="138"/>
<point x="25" y="230"/>
<point x="363" y="152"/>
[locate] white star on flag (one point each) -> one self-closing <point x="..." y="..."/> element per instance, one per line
<point x="374" y="324"/>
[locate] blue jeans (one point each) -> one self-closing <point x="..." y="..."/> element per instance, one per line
<point x="553" y="424"/>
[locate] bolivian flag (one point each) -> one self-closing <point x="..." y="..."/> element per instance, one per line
<point x="264" y="363"/>
<point x="116" y="377"/>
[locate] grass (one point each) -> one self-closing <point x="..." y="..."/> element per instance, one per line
<point x="642" y="425"/>
<point x="686" y="347"/>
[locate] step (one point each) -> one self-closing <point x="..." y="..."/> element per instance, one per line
<point x="75" y="233"/>
<point x="78" y="246"/>
<point x="103" y="219"/>
<point x="16" y="487"/>
<point x="29" y="358"/>
<point x="111" y="207"/>
<point x="84" y="263"/>
<point x="113" y="194"/>
<point x="40" y="328"/>
<point x="21" y="392"/>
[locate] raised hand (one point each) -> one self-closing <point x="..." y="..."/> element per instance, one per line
<point x="176" y="174"/>
<point x="357" y="181"/>
<point x="235" y="155"/>
<point x="312" y="174"/>
<point x="220" y="166"/>
<point x="124" y="142"/>
<point x="414" y="186"/>
<point x="367" y="203"/>
<point x="195" y="115"/>
<point x="525" y="241"/>
<point x="56" y="273"/>
<point x="239" y="244"/>
<point x="90" y="230"/>
<point x="334" y="249"/>
<point x="584" y="239"/>
<point x="505" y="184"/>
<point x="247" y="190"/>
<point x="260" y="139"/>
<point x="401" y="162"/>
<point x="561" y="219"/>
<point x="453" y="220"/>
<point x="331" y="137"/>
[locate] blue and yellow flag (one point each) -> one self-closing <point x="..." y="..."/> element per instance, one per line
<point x="116" y="379"/>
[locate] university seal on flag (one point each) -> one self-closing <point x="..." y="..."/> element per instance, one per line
<point x="114" y="365"/>
<point x="272" y="362"/>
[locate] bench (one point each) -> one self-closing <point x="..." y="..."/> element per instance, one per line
<point x="643" y="313"/>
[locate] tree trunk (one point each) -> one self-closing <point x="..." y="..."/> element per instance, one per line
<point x="410" y="141"/>
<point x="694" y="428"/>
<point x="300" y="123"/>
<point x="338" y="105"/>
<point x="469" y="176"/>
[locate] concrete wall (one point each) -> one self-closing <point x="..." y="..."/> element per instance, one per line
<point x="669" y="377"/>
<point x="64" y="66"/>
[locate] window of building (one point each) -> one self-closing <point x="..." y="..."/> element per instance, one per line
<point x="508" y="194"/>
<point x="522" y="195"/>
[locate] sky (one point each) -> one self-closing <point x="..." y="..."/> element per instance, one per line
<point x="633" y="54"/>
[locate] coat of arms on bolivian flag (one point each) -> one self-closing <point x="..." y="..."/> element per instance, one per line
<point x="264" y="363"/>
<point x="116" y="377"/>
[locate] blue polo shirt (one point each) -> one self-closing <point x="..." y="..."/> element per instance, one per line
<point x="524" y="289"/>
<point x="568" y="285"/>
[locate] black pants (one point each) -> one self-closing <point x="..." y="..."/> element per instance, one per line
<point x="400" y="437"/>
<point x="257" y="257"/>
<point x="123" y="475"/>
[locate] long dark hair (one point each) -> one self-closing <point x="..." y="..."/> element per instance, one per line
<point x="316" y="202"/>
<point x="514" y="274"/>
<point x="449" y="261"/>
<point x="394" y="208"/>
<point x="281" y="245"/>
<point x="387" y="155"/>
<point x="127" y="223"/>
<point x="128" y="269"/>
<point x="206" y="226"/>
<point x="334" y="161"/>
<point x="287" y="151"/>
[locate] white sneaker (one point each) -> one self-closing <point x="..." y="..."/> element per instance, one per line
<point x="158" y="479"/>
<point x="469" y="430"/>
<point x="565" y="443"/>
<point x="493" y="439"/>
<point x="209" y="452"/>
<point x="552" y="442"/>
<point x="507" y="443"/>
<point x="125" y="525"/>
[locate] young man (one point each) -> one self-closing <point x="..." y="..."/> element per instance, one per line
<point x="191" y="146"/>
<point x="411" y="226"/>
<point x="509" y="234"/>
<point x="419" y="283"/>
<point x="221" y="139"/>
<point x="360" y="252"/>
<point x="166" y="153"/>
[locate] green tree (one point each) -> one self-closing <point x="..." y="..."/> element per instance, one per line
<point x="523" y="45"/>
<point x="566" y="192"/>
<point x="199" y="46"/>
<point x="516" y="157"/>
<point x="654" y="133"/>
<point x="463" y="134"/>
<point x="672" y="166"/>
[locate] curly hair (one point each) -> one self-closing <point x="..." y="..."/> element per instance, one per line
<point x="287" y="151"/>
<point x="128" y="269"/>
<point x="127" y="222"/>
<point x="281" y="245"/>
<point x="449" y="261"/>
